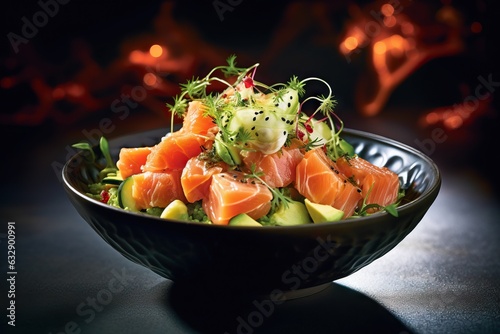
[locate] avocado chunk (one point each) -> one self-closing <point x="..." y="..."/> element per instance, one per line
<point x="321" y="213"/>
<point x="294" y="213"/>
<point x="228" y="154"/>
<point x="243" y="220"/>
<point x="175" y="210"/>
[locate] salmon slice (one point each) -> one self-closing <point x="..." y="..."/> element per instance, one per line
<point x="197" y="176"/>
<point x="176" y="148"/>
<point x="195" y="120"/>
<point x="279" y="168"/>
<point x="157" y="189"/>
<point x="130" y="160"/>
<point x="174" y="151"/>
<point x="380" y="184"/>
<point x="319" y="180"/>
<point x="230" y="194"/>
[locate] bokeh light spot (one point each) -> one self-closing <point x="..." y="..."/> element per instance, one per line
<point x="156" y="50"/>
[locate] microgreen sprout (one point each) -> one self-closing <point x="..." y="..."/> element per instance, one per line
<point x="86" y="147"/>
<point x="197" y="88"/>
<point x="110" y="165"/>
<point x="92" y="164"/>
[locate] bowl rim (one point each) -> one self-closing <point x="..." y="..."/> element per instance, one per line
<point x="360" y="221"/>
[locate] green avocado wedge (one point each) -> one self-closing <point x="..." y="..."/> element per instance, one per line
<point x="294" y="213"/>
<point x="321" y="213"/>
<point x="244" y="220"/>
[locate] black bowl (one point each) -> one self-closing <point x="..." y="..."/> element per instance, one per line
<point x="292" y="260"/>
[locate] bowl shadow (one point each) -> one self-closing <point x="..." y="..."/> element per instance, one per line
<point x="334" y="309"/>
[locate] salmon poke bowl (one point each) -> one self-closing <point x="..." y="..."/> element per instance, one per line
<point x="258" y="187"/>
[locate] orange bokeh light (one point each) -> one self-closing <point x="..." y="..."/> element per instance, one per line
<point x="397" y="41"/>
<point x="380" y="48"/>
<point x="390" y="21"/>
<point x="351" y="43"/>
<point x="156" y="50"/>
<point x="135" y="56"/>
<point x="387" y="9"/>
<point x="432" y="118"/>
<point x="150" y="79"/>
<point x="453" y="122"/>
<point x="407" y="28"/>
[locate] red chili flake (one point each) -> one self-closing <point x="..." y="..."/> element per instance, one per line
<point x="248" y="82"/>
<point x="104" y="196"/>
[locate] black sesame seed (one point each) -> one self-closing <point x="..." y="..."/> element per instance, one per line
<point x="276" y="105"/>
<point x="254" y="119"/>
<point x="256" y="134"/>
<point x="283" y="119"/>
<point x="253" y="128"/>
<point x="358" y="190"/>
<point x="289" y="104"/>
<point x="284" y="133"/>
<point x="261" y="112"/>
<point x="291" y="97"/>
<point x="267" y="118"/>
<point x="256" y="113"/>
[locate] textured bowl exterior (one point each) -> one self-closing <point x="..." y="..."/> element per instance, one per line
<point x="263" y="259"/>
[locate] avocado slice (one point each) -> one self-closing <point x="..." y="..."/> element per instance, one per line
<point x="294" y="213"/>
<point x="175" y="210"/>
<point x="243" y="220"/>
<point x="321" y="213"/>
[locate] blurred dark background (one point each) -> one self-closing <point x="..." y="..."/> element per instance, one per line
<point x="428" y="66"/>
